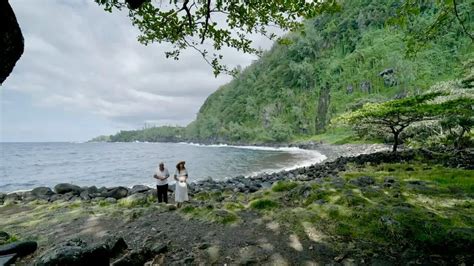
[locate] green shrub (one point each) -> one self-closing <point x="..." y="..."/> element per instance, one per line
<point x="284" y="186"/>
<point x="263" y="204"/>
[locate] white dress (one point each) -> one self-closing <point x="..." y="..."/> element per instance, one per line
<point x="181" y="189"/>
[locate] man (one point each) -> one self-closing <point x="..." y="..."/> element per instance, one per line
<point x="161" y="175"/>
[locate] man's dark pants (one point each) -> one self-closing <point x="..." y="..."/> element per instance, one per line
<point x="162" y="193"/>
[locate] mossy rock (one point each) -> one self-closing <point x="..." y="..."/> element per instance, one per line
<point x="263" y="204"/>
<point x="224" y="216"/>
<point x="134" y="200"/>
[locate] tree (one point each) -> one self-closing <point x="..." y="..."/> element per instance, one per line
<point x="190" y="23"/>
<point x="396" y="115"/>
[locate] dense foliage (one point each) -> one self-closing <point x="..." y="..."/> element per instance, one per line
<point x="357" y="55"/>
<point x="336" y="63"/>
<point x="154" y="134"/>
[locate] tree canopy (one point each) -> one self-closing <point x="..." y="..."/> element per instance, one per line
<point x="201" y="25"/>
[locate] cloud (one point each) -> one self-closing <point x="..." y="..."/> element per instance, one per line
<point x="79" y="57"/>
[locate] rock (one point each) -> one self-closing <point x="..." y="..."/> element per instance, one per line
<point x="139" y="189"/>
<point x="134" y="200"/>
<point x="366" y="87"/>
<point x="363" y="181"/>
<point x="42" y="192"/>
<point x="117" y="193"/>
<point x="152" y="192"/>
<point x="389" y="221"/>
<point x="204" y="246"/>
<point x="2" y="196"/>
<point x="116" y="245"/>
<point x="4" y="236"/>
<point x="157" y="260"/>
<point x="140" y="256"/>
<point x="388" y="76"/>
<point x="64" y="188"/>
<point x="171" y="187"/>
<point x="21" y="248"/>
<point x="253" y="189"/>
<point x="85" y="195"/>
<point x="110" y="200"/>
<point x="349" y="89"/>
<point x="266" y="185"/>
<point x="92" y="190"/>
<point x="75" y="252"/>
<point x="12" y="197"/>
<point x="55" y="197"/>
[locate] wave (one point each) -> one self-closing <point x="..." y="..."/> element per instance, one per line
<point x="311" y="156"/>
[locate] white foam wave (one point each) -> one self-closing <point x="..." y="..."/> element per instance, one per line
<point x="308" y="157"/>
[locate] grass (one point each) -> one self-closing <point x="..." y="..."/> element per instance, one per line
<point x="429" y="208"/>
<point x="335" y="135"/>
<point x="283" y="186"/>
<point x="263" y="204"/>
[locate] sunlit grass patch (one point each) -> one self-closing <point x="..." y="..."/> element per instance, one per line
<point x="233" y="206"/>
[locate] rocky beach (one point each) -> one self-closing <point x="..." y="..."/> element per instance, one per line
<point x="72" y="225"/>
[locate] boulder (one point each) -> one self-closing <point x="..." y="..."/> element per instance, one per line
<point x="42" y="192"/>
<point x="366" y="86"/>
<point x="92" y="190"/>
<point x="115" y="245"/>
<point x="76" y="252"/>
<point x="21" y="248"/>
<point x="85" y="195"/>
<point x="12" y="197"/>
<point x="134" y="200"/>
<point x="64" y="188"/>
<point x="109" y="200"/>
<point x="139" y="189"/>
<point x="4" y="236"/>
<point x="2" y="196"/>
<point x="56" y="197"/>
<point x="116" y="193"/>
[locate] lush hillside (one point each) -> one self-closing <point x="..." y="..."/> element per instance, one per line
<point x="338" y="62"/>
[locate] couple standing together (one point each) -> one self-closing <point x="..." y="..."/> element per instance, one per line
<point x="181" y="189"/>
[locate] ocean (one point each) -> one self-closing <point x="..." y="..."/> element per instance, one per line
<point x="24" y="166"/>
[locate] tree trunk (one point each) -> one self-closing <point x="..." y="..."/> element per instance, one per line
<point x="323" y="107"/>
<point x="395" y="141"/>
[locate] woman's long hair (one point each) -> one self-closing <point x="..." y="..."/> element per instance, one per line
<point x="179" y="168"/>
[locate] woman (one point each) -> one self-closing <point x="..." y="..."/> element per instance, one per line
<point x="181" y="190"/>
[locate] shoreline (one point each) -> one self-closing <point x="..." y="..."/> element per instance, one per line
<point x="329" y="152"/>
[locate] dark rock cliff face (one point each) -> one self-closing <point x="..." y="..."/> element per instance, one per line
<point x="11" y="40"/>
<point x="323" y="107"/>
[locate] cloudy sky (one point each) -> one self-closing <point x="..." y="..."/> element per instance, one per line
<point x="84" y="74"/>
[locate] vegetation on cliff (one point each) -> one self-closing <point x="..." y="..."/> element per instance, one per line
<point x="335" y="64"/>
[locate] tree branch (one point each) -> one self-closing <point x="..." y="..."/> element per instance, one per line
<point x="456" y="13"/>
<point x="206" y="23"/>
